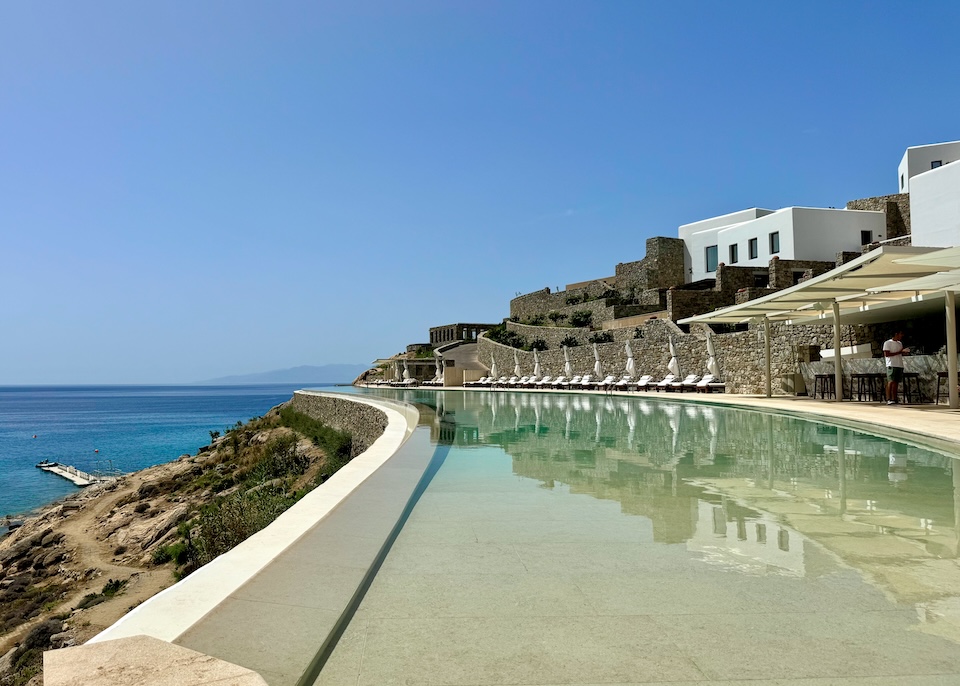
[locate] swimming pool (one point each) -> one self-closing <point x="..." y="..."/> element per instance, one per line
<point x="593" y="539"/>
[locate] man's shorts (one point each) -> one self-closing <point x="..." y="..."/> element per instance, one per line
<point x="895" y="374"/>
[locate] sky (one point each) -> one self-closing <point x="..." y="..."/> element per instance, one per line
<point x="192" y="190"/>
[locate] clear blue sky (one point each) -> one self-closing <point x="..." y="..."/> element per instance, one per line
<point x="190" y="190"/>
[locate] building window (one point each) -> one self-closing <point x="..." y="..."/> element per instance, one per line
<point x="936" y="163"/>
<point x="901" y="182"/>
<point x="774" y="242"/>
<point x="753" y="249"/>
<point x="711" y="254"/>
<point x="866" y="237"/>
<point x="734" y="253"/>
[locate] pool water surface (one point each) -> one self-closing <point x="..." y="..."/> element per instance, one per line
<point x="589" y="539"/>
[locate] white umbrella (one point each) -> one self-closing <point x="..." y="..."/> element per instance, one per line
<point x="493" y="366"/>
<point x="597" y="369"/>
<point x="567" y="368"/>
<point x="406" y="370"/>
<point x="673" y="365"/>
<point x="536" y="363"/>
<point x="516" y="364"/>
<point x="631" y="367"/>
<point x="712" y="365"/>
<point x="396" y="369"/>
<point x="439" y="363"/>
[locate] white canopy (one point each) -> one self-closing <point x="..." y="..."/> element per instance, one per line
<point x="857" y="291"/>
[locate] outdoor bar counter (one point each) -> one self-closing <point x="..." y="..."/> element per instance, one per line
<point x="922" y="372"/>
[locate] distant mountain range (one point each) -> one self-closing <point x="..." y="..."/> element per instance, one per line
<point x="328" y="373"/>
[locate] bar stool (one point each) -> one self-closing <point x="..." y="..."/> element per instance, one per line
<point x="942" y="381"/>
<point x="824" y="384"/>
<point x="910" y="388"/>
<point x="867" y="385"/>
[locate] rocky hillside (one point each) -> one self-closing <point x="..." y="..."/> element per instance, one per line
<point x="79" y="565"/>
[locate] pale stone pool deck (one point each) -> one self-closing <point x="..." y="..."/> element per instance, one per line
<point x="588" y="606"/>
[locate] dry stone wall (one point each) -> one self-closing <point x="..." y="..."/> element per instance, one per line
<point x="551" y="335"/>
<point x="897" y="210"/>
<point x="662" y="266"/>
<point x="544" y="301"/>
<point x="740" y="354"/>
<point x="363" y="422"/>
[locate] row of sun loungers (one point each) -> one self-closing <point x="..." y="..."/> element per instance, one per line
<point x="670" y="383"/>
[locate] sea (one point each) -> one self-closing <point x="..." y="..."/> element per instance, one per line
<point x="111" y="428"/>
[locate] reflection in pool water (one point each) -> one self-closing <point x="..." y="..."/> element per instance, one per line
<point x="752" y="512"/>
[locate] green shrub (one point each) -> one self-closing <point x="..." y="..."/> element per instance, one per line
<point x="500" y="334"/>
<point x="337" y="445"/>
<point x="556" y="317"/>
<point x="581" y="318"/>
<point x="601" y="337"/>
<point x="538" y="344"/>
<point x="570" y="342"/>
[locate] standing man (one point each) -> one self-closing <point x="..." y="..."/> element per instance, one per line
<point x="893" y="352"/>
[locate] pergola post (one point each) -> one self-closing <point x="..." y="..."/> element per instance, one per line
<point x="766" y="355"/>
<point x="951" y="308"/>
<point x="837" y="364"/>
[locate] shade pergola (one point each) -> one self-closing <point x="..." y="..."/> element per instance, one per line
<point x="868" y="288"/>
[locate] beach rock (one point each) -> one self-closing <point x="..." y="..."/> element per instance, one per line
<point x="6" y="662"/>
<point x="51" y="539"/>
<point x="145" y="532"/>
<point x="53" y="558"/>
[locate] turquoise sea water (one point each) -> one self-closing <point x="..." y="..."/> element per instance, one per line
<point x="129" y="427"/>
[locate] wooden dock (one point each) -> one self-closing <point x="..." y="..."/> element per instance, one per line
<point x="72" y="474"/>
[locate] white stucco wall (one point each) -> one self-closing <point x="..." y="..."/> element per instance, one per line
<point x="917" y="159"/>
<point x="806" y="233"/>
<point x="935" y="207"/>
<point x="697" y="235"/>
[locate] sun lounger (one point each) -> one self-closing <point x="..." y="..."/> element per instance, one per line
<point x="572" y="383"/>
<point x="531" y="382"/>
<point x="624" y="383"/>
<point x="644" y="382"/>
<point x="688" y="384"/>
<point x="544" y="382"/>
<point x="663" y="383"/>
<point x="708" y="384"/>
<point x="607" y="383"/>
<point x="558" y="382"/>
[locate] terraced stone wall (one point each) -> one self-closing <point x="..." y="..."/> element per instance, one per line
<point x="740" y="354"/>
<point x="897" y="210"/>
<point x="363" y="422"/>
<point x="551" y="335"/>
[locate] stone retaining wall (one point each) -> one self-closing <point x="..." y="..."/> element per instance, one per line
<point x="740" y="354"/>
<point x="895" y="207"/>
<point x="551" y="335"/>
<point x="363" y="422"/>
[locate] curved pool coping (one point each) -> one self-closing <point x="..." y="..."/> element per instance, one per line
<point x="176" y="609"/>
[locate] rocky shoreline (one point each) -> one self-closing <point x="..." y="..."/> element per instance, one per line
<point x="75" y="567"/>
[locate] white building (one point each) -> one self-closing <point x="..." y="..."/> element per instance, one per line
<point x="934" y="185"/>
<point x="749" y="238"/>
<point x="924" y="158"/>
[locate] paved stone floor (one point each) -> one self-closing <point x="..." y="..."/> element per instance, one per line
<point x="498" y="580"/>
